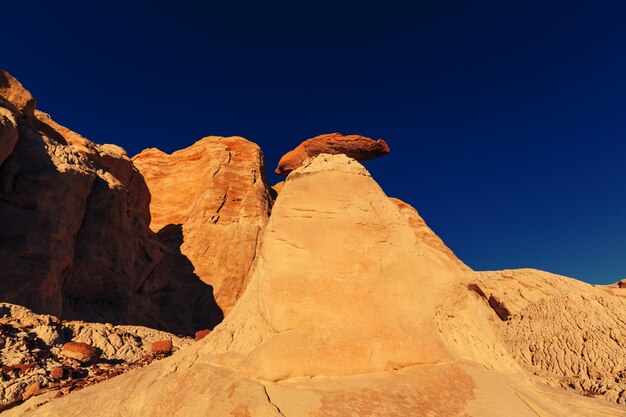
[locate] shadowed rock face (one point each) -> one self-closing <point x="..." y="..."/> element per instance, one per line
<point x="215" y="190"/>
<point x="358" y="147"/>
<point x="74" y="229"/>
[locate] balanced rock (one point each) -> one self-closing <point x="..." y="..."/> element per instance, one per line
<point x="358" y="147"/>
<point x="215" y="193"/>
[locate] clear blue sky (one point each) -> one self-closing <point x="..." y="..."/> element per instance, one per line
<point x="506" y="120"/>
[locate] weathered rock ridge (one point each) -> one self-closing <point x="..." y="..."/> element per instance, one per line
<point x="215" y="190"/>
<point x="74" y="229"/>
<point x="357" y="147"/>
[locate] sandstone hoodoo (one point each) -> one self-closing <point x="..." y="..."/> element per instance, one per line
<point x="358" y="147"/>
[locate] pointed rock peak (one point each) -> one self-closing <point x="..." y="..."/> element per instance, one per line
<point x="343" y="286"/>
<point x="357" y="147"/>
<point x="13" y="92"/>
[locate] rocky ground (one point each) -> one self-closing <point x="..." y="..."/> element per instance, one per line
<point x="40" y="353"/>
<point x="568" y="333"/>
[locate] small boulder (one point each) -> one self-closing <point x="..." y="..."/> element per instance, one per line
<point x="57" y="373"/>
<point x="356" y="147"/>
<point x="82" y="352"/>
<point x="201" y="334"/>
<point x="8" y="133"/>
<point x="161" y="346"/>
<point x="33" y="389"/>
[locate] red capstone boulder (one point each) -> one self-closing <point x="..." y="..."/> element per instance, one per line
<point x="357" y="147"/>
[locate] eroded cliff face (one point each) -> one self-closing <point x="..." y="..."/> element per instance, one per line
<point x="74" y="229"/>
<point x="215" y="191"/>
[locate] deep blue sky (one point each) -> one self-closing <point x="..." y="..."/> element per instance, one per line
<point x="506" y="120"/>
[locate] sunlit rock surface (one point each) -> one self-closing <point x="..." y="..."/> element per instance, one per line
<point x="215" y="191"/>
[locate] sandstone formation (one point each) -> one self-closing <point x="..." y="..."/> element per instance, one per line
<point x="354" y="308"/>
<point x="357" y="147"/>
<point x="74" y="229"/>
<point x="40" y="354"/>
<point x="215" y="192"/>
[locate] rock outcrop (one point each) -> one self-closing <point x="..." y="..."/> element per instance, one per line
<point x="358" y="147"/>
<point x="351" y="310"/>
<point x="216" y="192"/>
<point x="74" y="229"/>
<point x="41" y="354"/>
<point x="14" y="97"/>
